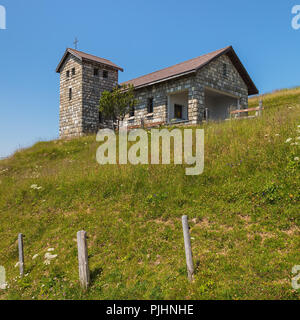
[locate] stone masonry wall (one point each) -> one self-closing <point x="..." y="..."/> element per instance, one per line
<point x="93" y="86"/>
<point x="211" y="76"/>
<point x="70" y="123"/>
<point x="80" y="115"/>
<point x="159" y="93"/>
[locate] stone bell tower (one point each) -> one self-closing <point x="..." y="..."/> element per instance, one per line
<point x="83" y="78"/>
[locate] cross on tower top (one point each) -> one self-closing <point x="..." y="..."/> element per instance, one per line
<point x="75" y="43"/>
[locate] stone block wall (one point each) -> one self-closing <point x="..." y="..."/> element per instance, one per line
<point x="159" y="93"/>
<point x="93" y="86"/>
<point x="70" y="123"/>
<point x="211" y="76"/>
<point x="80" y="114"/>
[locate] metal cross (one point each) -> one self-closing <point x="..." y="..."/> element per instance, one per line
<point x="75" y="43"/>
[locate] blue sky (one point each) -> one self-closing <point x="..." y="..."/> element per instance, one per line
<point x="141" y="36"/>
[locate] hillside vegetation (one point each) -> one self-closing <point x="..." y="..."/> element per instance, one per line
<point x="243" y="213"/>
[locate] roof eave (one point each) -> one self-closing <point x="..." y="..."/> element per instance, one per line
<point x="215" y="57"/>
<point x="68" y="51"/>
<point x="64" y="58"/>
<point x="246" y="77"/>
<point x="243" y="72"/>
<point x="232" y="56"/>
<point x="164" y="79"/>
<point x="105" y="64"/>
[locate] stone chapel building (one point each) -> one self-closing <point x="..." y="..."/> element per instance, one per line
<point x="203" y="88"/>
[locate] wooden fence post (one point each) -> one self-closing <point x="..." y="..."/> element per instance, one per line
<point x="188" y="248"/>
<point x="84" y="271"/>
<point x="260" y="108"/>
<point x="21" y="254"/>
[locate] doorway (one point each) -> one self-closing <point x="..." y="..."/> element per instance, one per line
<point x="219" y="104"/>
<point x="178" y="106"/>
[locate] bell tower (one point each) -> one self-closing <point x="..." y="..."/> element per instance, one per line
<point x="83" y="78"/>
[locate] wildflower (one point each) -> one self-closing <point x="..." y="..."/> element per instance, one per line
<point x="17" y="264"/>
<point x="35" y="186"/>
<point x="4" y="286"/>
<point x="49" y="257"/>
<point x="277" y="135"/>
<point x="296" y="159"/>
<point x="288" y="140"/>
<point x="35" y="256"/>
<point x="50" y="249"/>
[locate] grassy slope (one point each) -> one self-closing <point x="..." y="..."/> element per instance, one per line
<point x="244" y="213"/>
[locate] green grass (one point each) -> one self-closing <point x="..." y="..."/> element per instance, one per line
<point x="243" y="212"/>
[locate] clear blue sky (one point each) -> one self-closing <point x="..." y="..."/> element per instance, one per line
<point x="141" y="36"/>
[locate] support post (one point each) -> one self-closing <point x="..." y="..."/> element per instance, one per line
<point x="168" y="104"/>
<point x="206" y="114"/>
<point x="21" y="254"/>
<point x="83" y="263"/>
<point x="188" y="248"/>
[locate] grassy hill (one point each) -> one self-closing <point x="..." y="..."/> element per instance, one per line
<point x="243" y="212"/>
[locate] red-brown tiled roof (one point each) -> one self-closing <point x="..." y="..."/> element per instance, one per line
<point x="193" y="65"/>
<point x="82" y="55"/>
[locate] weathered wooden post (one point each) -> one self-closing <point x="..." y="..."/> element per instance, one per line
<point x="3" y="283"/>
<point x="188" y="248"/>
<point x="21" y="254"/>
<point x="260" y="108"/>
<point x="83" y="263"/>
<point x="237" y="115"/>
